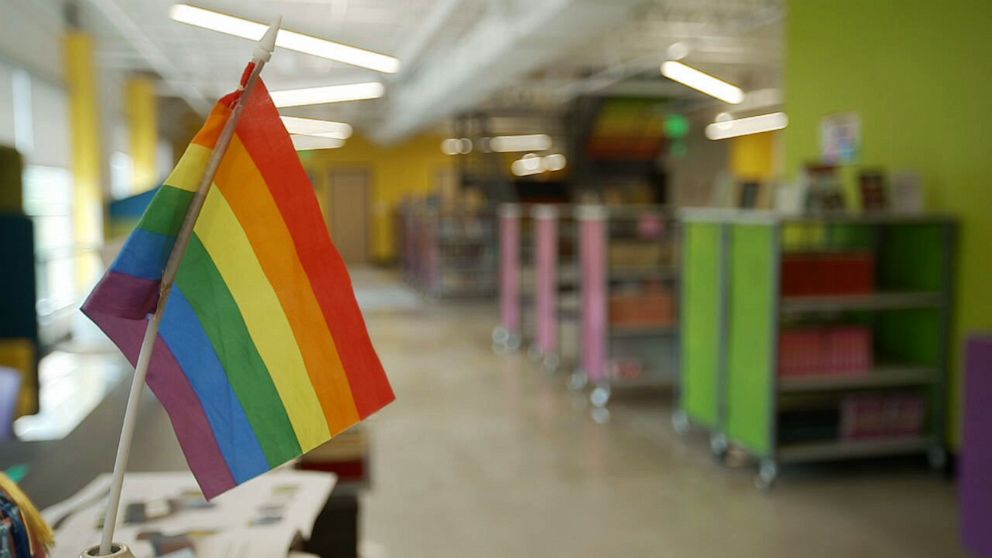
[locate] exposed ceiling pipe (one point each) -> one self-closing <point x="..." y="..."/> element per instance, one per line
<point x="501" y="47"/>
<point x="436" y="19"/>
<point x="153" y="55"/>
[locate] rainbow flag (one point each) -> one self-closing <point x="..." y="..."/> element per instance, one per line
<point x="262" y="353"/>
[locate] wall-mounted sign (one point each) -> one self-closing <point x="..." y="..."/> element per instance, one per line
<point x="840" y="138"/>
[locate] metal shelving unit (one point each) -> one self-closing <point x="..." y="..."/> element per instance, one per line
<point x="629" y="282"/>
<point x="878" y="377"/>
<point x="445" y="254"/>
<point x="735" y="313"/>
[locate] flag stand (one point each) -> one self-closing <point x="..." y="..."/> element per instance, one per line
<point x="108" y="548"/>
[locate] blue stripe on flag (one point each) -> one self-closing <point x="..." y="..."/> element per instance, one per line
<point x="183" y="333"/>
<point x="144" y="254"/>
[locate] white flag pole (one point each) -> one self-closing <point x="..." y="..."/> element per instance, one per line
<point x="263" y="51"/>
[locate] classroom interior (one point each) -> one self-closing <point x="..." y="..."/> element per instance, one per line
<point x="648" y="278"/>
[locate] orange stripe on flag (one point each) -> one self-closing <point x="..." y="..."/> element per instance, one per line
<point x="242" y="185"/>
<point x="290" y="187"/>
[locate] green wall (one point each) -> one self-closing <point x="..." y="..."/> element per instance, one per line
<point x="918" y="73"/>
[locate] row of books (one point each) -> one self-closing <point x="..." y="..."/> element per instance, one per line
<point x="886" y="416"/>
<point x="653" y="306"/>
<point x="825" y="350"/>
<point x="828" y="273"/>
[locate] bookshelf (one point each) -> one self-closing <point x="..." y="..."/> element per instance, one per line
<point x="815" y="339"/>
<point x="628" y="285"/>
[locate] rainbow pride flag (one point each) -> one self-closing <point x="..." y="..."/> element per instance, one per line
<point x="262" y="353"/>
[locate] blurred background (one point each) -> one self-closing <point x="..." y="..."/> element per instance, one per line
<point x="650" y="277"/>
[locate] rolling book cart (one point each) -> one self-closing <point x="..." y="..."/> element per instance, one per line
<point x="628" y="278"/>
<point x="816" y="338"/>
<point x="448" y="254"/>
<point x="545" y="303"/>
<point x="516" y="278"/>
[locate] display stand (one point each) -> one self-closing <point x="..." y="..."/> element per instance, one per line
<point x="507" y="335"/>
<point x="447" y="254"/>
<point x="545" y="224"/>
<point x="817" y="338"/>
<point x="628" y="318"/>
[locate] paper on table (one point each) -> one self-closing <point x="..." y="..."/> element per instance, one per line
<point x="259" y="519"/>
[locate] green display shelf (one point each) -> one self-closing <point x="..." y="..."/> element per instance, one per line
<point x="734" y="315"/>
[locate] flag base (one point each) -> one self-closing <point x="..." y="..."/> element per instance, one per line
<point x="117" y="550"/>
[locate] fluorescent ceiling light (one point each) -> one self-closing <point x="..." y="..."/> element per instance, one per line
<point x="743" y="126"/>
<point x="530" y="142"/>
<point x="327" y="94"/>
<point x="313" y="127"/>
<point x="702" y="82"/>
<point x="456" y="146"/>
<point x="299" y="42"/>
<point x="531" y="164"/>
<point x="304" y="143"/>
<point x="554" y="162"/>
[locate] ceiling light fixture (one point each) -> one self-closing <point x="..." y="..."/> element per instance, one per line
<point x="555" y="162"/>
<point x="531" y="164"/>
<point x="456" y="146"/>
<point x="744" y="126"/>
<point x="702" y="82"/>
<point x="246" y="29"/>
<point x="305" y="143"/>
<point x="327" y="94"/>
<point x="314" y="127"/>
<point x="528" y="142"/>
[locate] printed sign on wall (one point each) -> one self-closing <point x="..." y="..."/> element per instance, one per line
<point x="840" y="138"/>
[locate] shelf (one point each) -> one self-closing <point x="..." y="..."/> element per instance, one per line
<point x="852" y="449"/>
<point x="640" y="331"/>
<point x="620" y="273"/>
<point x="873" y="301"/>
<point x="881" y="376"/>
<point x="640" y="383"/>
<point x="816" y="250"/>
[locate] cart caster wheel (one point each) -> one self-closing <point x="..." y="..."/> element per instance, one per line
<point x="504" y="341"/>
<point x="937" y="457"/>
<point x="500" y="335"/>
<point x="551" y="362"/>
<point x="767" y="473"/>
<point x="513" y="343"/>
<point x="600" y="396"/>
<point x="600" y="415"/>
<point x="534" y="353"/>
<point x="718" y="446"/>
<point x="578" y="381"/>
<point x="680" y="422"/>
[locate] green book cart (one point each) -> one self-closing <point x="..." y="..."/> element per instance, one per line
<point x="816" y="338"/>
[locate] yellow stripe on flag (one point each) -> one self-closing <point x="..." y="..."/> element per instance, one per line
<point x="190" y="168"/>
<point x="249" y="197"/>
<point x="226" y="242"/>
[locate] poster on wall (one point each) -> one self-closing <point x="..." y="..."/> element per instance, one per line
<point x="840" y="138"/>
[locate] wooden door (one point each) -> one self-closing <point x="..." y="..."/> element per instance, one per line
<point x="348" y="209"/>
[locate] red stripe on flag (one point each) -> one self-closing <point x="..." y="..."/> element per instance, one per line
<point x="262" y="133"/>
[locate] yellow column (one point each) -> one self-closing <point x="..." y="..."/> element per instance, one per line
<point x="84" y="125"/>
<point x="143" y="123"/>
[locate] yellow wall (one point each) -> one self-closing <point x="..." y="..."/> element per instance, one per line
<point x="397" y="171"/>
<point x="752" y="157"/>
<point x="84" y="125"/>
<point x="142" y="120"/>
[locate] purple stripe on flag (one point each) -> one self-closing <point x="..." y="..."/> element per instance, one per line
<point x="124" y="296"/>
<point x="173" y="390"/>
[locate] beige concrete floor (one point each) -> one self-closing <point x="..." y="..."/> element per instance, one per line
<point x="484" y="456"/>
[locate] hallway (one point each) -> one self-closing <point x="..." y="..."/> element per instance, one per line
<point x="485" y="456"/>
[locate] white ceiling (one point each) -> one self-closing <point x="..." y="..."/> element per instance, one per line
<point x="456" y="54"/>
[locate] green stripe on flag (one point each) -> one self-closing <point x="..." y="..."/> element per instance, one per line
<point x="210" y="298"/>
<point x="166" y="211"/>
